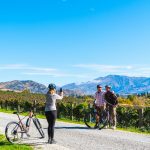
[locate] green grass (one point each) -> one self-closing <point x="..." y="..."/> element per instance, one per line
<point x="6" y="111"/>
<point x="135" y="130"/>
<point x="24" y="113"/>
<point x="5" y="145"/>
<point x="130" y="129"/>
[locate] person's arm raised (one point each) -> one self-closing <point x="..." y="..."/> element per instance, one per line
<point x="59" y="97"/>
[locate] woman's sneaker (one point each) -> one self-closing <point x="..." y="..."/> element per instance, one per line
<point x="106" y="127"/>
<point x="49" y="141"/>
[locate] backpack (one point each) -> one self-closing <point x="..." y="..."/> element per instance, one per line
<point x="111" y="98"/>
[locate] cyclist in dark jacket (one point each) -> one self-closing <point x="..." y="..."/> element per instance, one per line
<point x="111" y="100"/>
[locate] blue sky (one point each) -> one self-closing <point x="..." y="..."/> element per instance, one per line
<point x="65" y="41"/>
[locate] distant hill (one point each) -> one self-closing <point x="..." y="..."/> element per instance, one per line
<point x="33" y="87"/>
<point x="16" y="85"/>
<point x="120" y="84"/>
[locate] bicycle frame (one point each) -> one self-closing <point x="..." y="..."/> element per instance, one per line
<point x="23" y="127"/>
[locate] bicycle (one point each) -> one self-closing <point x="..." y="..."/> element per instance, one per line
<point x="90" y="118"/>
<point x="14" y="131"/>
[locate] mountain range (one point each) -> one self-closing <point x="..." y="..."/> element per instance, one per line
<point x="120" y="84"/>
<point x="33" y="87"/>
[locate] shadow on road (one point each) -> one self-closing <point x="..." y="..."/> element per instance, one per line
<point x="72" y="128"/>
<point x="84" y="128"/>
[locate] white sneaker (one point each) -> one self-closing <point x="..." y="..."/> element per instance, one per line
<point x="106" y="127"/>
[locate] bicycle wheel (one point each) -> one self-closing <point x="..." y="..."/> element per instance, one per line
<point x="104" y="120"/>
<point x="14" y="133"/>
<point x="39" y="127"/>
<point x="90" y="119"/>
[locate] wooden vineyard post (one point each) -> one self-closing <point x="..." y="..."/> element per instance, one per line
<point x="71" y="114"/>
<point x="141" y="112"/>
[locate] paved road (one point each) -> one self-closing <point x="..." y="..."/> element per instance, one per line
<point x="79" y="137"/>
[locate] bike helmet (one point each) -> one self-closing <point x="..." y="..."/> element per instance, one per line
<point x="99" y="86"/>
<point x="108" y="86"/>
<point x="52" y="86"/>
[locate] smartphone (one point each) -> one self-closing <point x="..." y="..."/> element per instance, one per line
<point x="60" y="90"/>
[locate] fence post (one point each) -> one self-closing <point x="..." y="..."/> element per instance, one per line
<point x="34" y="106"/>
<point x="18" y="106"/>
<point x="89" y="107"/>
<point x="6" y="105"/>
<point x="141" y="111"/>
<point x="1" y="105"/>
<point x="71" y="115"/>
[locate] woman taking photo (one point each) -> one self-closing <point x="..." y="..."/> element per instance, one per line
<point x="51" y="111"/>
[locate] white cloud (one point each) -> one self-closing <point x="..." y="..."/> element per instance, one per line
<point x="55" y="74"/>
<point x="25" y="67"/>
<point x="99" y="67"/>
<point x="12" y="66"/>
<point x="130" y="70"/>
<point x="89" y="71"/>
<point x="39" y="71"/>
<point x="30" y="70"/>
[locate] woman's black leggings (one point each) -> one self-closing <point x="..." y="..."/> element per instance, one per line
<point x="51" y="118"/>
